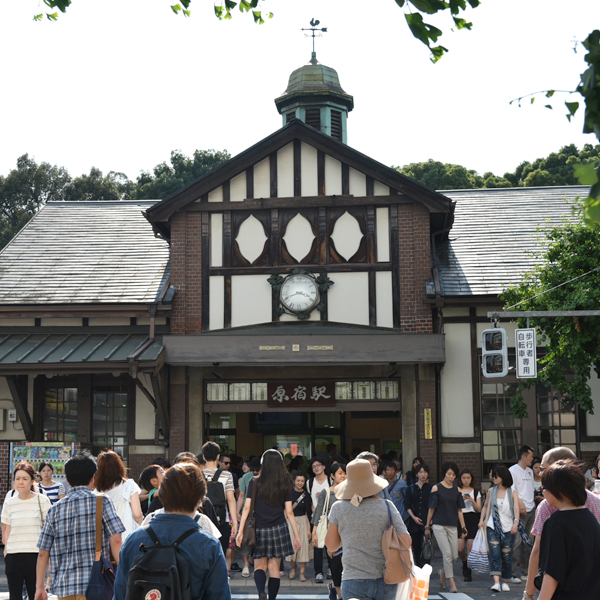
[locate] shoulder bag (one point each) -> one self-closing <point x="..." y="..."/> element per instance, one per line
<point x="398" y="564"/>
<point x="102" y="576"/>
<point x="323" y="521"/>
<point x="249" y="537"/>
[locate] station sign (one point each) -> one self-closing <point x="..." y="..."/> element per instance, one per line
<point x="300" y="393"/>
<point x="525" y="350"/>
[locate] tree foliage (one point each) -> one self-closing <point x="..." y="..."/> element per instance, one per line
<point x="166" y="179"/>
<point x="96" y="186"/>
<point x="558" y="168"/>
<point x="572" y="345"/>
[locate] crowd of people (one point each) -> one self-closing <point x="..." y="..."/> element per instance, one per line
<point x="330" y="509"/>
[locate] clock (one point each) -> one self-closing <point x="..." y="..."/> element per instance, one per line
<point x="299" y="293"/>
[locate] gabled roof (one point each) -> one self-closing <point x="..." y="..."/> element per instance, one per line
<point x="163" y="210"/>
<point x="85" y="252"/>
<point x="494" y="233"/>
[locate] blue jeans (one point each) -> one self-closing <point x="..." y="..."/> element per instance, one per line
<point x="368" y="589"/>
<point x="500" y="554"/>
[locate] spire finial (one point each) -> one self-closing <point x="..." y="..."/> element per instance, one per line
<point x="313" y="28"/>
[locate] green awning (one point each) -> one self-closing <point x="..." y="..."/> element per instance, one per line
<point x="78" y="351"/>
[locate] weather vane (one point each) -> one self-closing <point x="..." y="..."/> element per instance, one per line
<point x="313" y="28"/>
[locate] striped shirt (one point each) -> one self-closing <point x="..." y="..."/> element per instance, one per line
<point x="25" y="520"/>
<point x="53" y="491"/>
<point x="69" y="534"/>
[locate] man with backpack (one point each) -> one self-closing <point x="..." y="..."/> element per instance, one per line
<point x="172" y="557"/>
<point x="220" y="490"/>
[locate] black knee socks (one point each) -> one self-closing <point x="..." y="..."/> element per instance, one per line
<point x="260" y="579"/>
<point x="273" y="587"/>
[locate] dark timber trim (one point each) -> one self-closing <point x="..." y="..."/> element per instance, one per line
<point x="250" y="182"/>
<point x="227" y="241"/>
<point x="282" y="269"/>
<point x="297" y="168"/>
<point x="475" y="374"/>
<point x="18" y="390"/>
<point x="299" y="202"/>
<point x="205" y="266"/>
<point x="161" y="408"/>
<point x="345" y="179"/>
<point x="321" y="172"/>
<point x="226" y="191"/>
<point x="370" y="186"/>
<point x="372" y="299"/>
<point x="395" y="260"/>
<point x="227" y="302"/>
<point x="273" y="173"/>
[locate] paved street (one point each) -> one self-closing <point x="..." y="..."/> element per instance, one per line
<point x="243" y="588"/>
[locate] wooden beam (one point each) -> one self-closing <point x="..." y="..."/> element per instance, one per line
<point x="297" y="168"/>
<point x="273" y="174"/>
<point x="250" y="182"/>
<point x="144" y="391"/>
<point x="204" y="266"/>
<point x="321" y="173"/>
<point x="284" y="269"/>
<point x="299" y="202"/>
<point x="18" y="391"/>
<point x="395" y="259"/>
<point x="161" y="408"/>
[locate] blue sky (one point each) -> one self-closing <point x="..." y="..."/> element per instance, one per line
<point x="118" y="84"/>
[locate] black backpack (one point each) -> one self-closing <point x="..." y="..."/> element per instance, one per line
<point x="215" y="490"/>
<point x="159" y="572"/>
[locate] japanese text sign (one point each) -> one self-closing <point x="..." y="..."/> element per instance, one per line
<point x="300" y="393"/>
<point x="525" y="351"/>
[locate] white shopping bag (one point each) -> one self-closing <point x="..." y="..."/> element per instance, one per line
<point x="417" y="586"/>
<point x="478" y="557"/>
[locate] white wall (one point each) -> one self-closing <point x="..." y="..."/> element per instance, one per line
<point x="216" y="195"/>
<point x="216" y="301"/>
<point x="333" y="176"/>
<point x="382" y="222"/>
<point x="262" y="179"/>
<point x="348" y="298"/>
<point x="144" y="412"/>
<point x="456" y="388"/>
<point x="309" y="175"/>
<point x="285" y="171"/>
<point x="250" y="300"/>
<point x="237" y="188"/>
<point x="216" y="240"/>
<point x="13" y="431"/>
<point x="384" y="299"/>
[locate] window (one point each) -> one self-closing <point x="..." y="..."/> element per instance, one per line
<point x="501" y="431"/>
<point x="313" y="117"/>
<point x="336" y="125"/>
<point x="556" y="421"/>
<point x="60" y="414"/>
<point x="110" y="419"/>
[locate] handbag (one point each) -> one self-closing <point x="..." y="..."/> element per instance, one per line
<point x="396" y="568"/>
<point x="249" y="537"/>
<point x="417" y="587"/>
<point x="323" y="521"/>
<point x="102" y="576"/>
<point x="426" y="549"/>
<point x="478" y="557"/>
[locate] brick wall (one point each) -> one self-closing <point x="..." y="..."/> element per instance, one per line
<point x="178" y="441"/>
<point x="138" y="462"/>
<point x="186" y="272"/>
<point x="466" y="460"/>
<point x="415" y="267"/>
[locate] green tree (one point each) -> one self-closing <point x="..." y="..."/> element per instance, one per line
<point x="572" y="345"/>
<point x="442" y="176"/>
<point x="96" y="186"/>
<point x="25" y="190"/>
<point x="166" y="179"/>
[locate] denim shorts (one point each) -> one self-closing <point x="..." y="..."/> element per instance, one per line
<point x="368" y="589"/>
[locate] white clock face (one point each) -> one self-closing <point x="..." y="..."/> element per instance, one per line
<point x="299" y="293"/>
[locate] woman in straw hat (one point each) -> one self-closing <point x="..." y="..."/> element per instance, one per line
<point x="357" y="523"/>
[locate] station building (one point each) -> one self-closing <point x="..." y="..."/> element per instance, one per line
<point x="300" y="295"/>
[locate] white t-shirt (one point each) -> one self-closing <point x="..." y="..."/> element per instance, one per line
<point x="469" y="506"/>
<point x="523" y="484"/>
<point x="316" y="489"/>
<point x="25" y="519"/>
<point x="201" y="519"/>
<point x="121" y="497"/>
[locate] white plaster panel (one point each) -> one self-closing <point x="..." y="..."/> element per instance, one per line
<point x="262" y="179"/>
<point x="593" y="421"/>
<point x="333" y="176"/>
<point x="309" y="178"/>
<point x="456" y="311"/>
<point x="482" y="311"/>
<point x="457" y="392"/>
<point x="379" y="189"/>
<point x="251" y="238"/>
<point x="13" y="431"/>
<point x="285" y="171"/>
<point x="144" y="413"/>
<point x="348" y="298"/>
<point x="250" y="300"/>
<point x="346" y="236"/>
<point x="383" y="299"/>
<point x="237" y="188"/>
<point x="17" y="322"/>
<point x="146" y="320"/>
<point x="58" y="322"/>
<point x="299" y="237"/>
<point x="358" y="183"/>
<point x="216" y="195"/>
<point x="509" y="327"/>
<point x="115" y="322"/>
<point x="382" y="222"/>
<point x="216" y="240"/>
<point x="315" y="315"/>
<point x="216" y="302"/>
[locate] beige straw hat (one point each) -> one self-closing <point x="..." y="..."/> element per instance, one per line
<point x="360" y="480"/>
